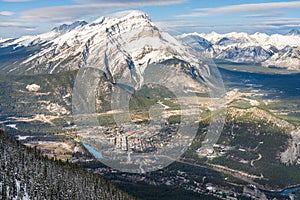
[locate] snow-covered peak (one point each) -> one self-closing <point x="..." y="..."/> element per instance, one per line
<point x="133" y="17"/>
<point x="68" y="27"/>
<point x="294" y="32"/>
<point x="137" y="14"/>
<point x="189" y="34"/>
<point x="215" y="37"/>
<point x="99" y="20"/>
<point x="130" y="14"/>
<point x="30" y="40"/>
<point x="126" y="23"/>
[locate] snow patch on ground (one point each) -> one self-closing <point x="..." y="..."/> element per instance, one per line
<point x="33" y="88"/>
<point x="57" y="109"/>
<point x="20" y="137"/>
<point x="14" y="126"/>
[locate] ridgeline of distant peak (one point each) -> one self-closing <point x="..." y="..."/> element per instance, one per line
<point x="69" y="27"/>
<point x="294" y="32"/>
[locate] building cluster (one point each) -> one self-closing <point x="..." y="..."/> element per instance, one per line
<point x="140" y="137"/>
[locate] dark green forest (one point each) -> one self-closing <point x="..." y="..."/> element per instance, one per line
<point x="26" y="174"/>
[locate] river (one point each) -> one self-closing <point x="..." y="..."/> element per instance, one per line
<point x="286" y="191"/>
<point x="93" y="151"/>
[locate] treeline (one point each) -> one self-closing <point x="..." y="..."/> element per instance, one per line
<point x="26" y="174"/>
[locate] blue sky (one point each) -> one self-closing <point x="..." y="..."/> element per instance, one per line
<point x="28" y="17"/>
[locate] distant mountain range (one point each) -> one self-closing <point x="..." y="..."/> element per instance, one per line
<point x="282" y="51"/>
<point x="133" y="40"/>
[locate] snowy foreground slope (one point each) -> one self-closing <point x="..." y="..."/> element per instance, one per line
<point x="259" y="48"/>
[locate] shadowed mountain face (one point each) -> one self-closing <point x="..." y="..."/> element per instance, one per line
<point x="69" y="27"/>
<point x="294" y="32"/>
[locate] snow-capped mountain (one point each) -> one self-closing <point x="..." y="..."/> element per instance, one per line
<point x="109" y="43"/>
<point x="259" y="48"/>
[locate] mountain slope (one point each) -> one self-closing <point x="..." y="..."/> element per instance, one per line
<point x="288" y="57"/>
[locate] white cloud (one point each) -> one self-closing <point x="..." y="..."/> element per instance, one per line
<point x="268" y="25"/>
<point x="86" y="8"/>
<point x="46" y="17"/>
<point x="30" y="28"/>
<point x="6" y="13"/>
<point x="281" y="22"/>
<point x="64" y="13"/>
<point x="165" y="25"/>
<point x="132" y="2"/>
<point x="264" y="15"/>
<point x="13" y="1"/>
<point x="14" y="24"/>
<point x="243" y="8"/>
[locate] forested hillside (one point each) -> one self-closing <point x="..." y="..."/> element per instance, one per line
<point x="26" y="174"/>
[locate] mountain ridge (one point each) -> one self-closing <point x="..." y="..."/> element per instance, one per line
<point x="294" y="32"/>
<point x="274" y="50"/>
<point x="131" y="39"/>
<point x="68" y="27"/>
